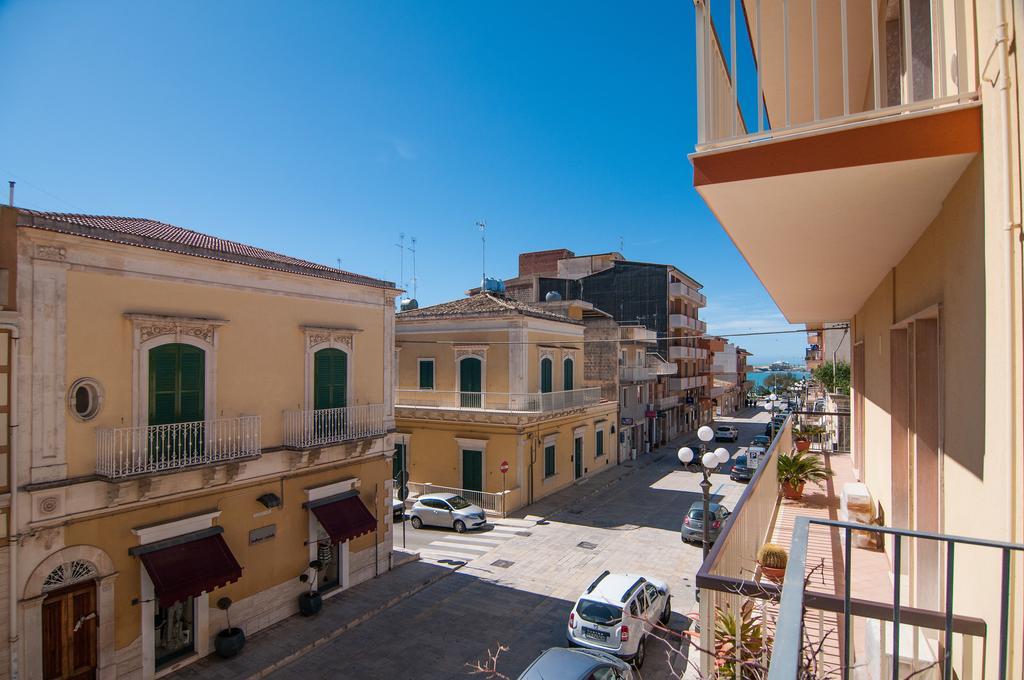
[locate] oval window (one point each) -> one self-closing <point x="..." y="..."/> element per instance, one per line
<point x="84" y="398"/>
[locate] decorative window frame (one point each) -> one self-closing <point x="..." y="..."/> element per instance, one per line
<point x="317" y="338"/>
<point x="549" y="440"/>
<point x="97" y="395"/>
<point x="467" y="444"/>
<point x="147" y="596"/>
<point x="470" y="352"/>
<point x="545" y="354"/>
<point x="571" y="358"/>
<point x="154" y="330"/>
<point x="433" y="373"/>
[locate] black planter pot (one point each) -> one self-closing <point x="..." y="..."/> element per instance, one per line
<point x="229" y="642"/>
<point x="310" y="603"/>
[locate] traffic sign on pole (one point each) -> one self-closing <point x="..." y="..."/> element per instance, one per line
<point x="503" y="467"/>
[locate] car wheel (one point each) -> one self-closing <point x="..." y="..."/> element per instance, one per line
<point x="641" y="653"/>
<point x="667" y="614"/>
<point x="460" y="526"/>
<point x="417" y="523"/>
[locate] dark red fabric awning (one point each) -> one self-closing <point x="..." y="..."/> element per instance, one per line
<point x="188" y="569"/>
<point x="345" y="519"/>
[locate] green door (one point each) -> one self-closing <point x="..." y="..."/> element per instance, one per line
<point x="567" y="375"/>
<point x="469" y="383"/>
<point x="177" y="380"/>
<point x="472" y="473"/>
<point x="545" y="375"/>
<point x="330" y="373"/>
<point x="398" y="463"/>
<point x="577" y="457"/>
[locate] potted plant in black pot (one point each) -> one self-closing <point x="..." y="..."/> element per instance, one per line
<point x="310" y="601"/>
<point x="229" y="642"/>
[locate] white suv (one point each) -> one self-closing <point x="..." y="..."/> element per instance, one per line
<point x="617" y="612"/>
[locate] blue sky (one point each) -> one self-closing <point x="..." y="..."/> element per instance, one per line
<point x="323" y="130"/>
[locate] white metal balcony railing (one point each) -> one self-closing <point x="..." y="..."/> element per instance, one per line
<point x="659" y="366"/>
<point x="810" y="65"/>
<point x="679" y="289"/>
<point x="635" y="373"/>
<point x="126" y="451"/>
<point x="676" y="352"/>
<point x="500" y="401"/>
<point x="322" y="427"/>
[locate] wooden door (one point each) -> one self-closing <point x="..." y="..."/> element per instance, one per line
<point x="69" y="633"/>
<point x="472" y="471"/>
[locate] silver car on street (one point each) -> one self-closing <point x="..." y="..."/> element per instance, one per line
<point x="447" y="510"/>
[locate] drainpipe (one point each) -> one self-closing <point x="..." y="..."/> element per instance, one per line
<point x="12" y="478"/>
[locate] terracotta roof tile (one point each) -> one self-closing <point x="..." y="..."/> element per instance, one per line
<point x="481" y="305"/>
<point x="147" y="233"/>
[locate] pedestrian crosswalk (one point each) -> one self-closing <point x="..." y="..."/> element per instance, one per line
<point x="451" y="549"/>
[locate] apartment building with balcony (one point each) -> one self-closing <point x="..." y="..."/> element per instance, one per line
<point x="890" y="132"/>
<point x="659" y="297"/>
<point x="486" y="380"/>
<point x="827" y="342"/>
<point x="195" y="419"/>
<point x="638" y="376"/>
<point x="729" y="375"/>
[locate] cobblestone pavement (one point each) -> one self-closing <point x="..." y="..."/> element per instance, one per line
<point x="518" y="592"/>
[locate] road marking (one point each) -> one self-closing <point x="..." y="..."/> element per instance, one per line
<point x="436" y="555"/>
<point x="461" y="546"/>
<point x="474" y="539"/>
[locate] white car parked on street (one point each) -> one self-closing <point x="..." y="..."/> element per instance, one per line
<point x="446" y="510"/>
<point x="617" y="613"/>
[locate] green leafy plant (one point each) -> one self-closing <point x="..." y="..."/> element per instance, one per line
<point x="749" y="628"/>
<point x="773" y="556"/>
<point x="837" y="381"/>
<point x="808" y="432"/>
<point x="801" y="467"/>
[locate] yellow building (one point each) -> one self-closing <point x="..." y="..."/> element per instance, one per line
<point x="197" y="419"/>
<point x="881" y="162"/>
<point x="487" y="380"/>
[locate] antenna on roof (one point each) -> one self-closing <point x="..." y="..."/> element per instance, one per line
<point x="483" y="250"/>
<point x="622" y="245"/>
<point x="339" y="263"/>
<point x="401" y="252"/>
<point x="414" y="280"/>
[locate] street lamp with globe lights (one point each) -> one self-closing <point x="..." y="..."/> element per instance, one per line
<point x="710" y="460"/>
<point x="772" y="399"/>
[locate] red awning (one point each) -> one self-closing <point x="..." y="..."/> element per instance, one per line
<point x="190" y="568"/>
<point x="345" y="519"/>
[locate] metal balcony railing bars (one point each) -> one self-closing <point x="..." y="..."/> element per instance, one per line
<point x="816" y="79"/>
<point x="321" y="427"/>
<point x="126" y="451"/>
<point x="500" y="401"/>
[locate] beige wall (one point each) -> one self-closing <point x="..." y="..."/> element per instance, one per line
<point x="446" y="375"/>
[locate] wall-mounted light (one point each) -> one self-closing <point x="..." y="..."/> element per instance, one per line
<point x="270" y="500"/>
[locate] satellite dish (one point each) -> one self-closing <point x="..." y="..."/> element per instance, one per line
<point x="552" y="296"/>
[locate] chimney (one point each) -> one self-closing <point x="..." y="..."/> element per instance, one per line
<point x="10" y="192"/>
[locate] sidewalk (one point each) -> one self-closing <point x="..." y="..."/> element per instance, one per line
<point x="286" y="641"/>
<point x="589" y="486"/>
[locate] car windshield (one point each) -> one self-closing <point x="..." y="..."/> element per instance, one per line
<point x="724" y="428"/>
<point x="601" y="613"/>
<point x="761" y="440"/>
<point x="696" y="513"/>
<point x="740" y="461"/>
<point x="458" y="502"/>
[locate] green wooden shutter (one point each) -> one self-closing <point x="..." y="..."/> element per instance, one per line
<point x="600" y="442"/>
<point x="469" y="375"/>
<point x="177" y="381"/>
<point x="426" y="375"/>
<point x="567" y="374"/>
<point x="549" y="461"/>
<point x="193" y="377"/>
<point x="545" y="375"/>
<point x="330" y="373"/>
<point x="577" y="456"/>
<point x="472" y="471"/>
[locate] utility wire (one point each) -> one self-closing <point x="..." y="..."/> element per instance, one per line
<point x="560" y="344"/>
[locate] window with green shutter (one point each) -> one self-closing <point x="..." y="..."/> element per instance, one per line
<point x="330" y="375"/>
<point x="549" y="461"/>
<point x="600" y="443"/>
<point x="470" y="372"/>
<point x="567" y="365"/>
<point x="545" y="374"/>
<point x="177" y="381"/>
<point x="426" y="374"/>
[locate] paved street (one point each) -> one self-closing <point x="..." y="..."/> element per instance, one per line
<point x="520" y="579"/>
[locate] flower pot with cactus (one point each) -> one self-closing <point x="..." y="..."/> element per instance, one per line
<point x="773" y="559"/>
<point x="796" y="469"/>
<point x="311" y="601"/>
<point x="229" y="642"/>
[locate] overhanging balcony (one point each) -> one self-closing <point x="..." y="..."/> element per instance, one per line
<point x="659" y="366"/>
<point x="316" y="428"/>
<point x="835" y="124"/>
<point x="676" y="352"/>
<point x="127" y="451"/>
<point x="684" y="322"/>
<point x="638" y="334"/>
<point x="681" y="290"/>
<point x="531" y="402"/>
<point x="635" y="374"/>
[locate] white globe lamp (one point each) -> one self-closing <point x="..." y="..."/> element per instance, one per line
<point x="686" y="455"/>
<point x="722" y="454"/>
<point x="710" y="460"/>
<point x="705" y="433"/>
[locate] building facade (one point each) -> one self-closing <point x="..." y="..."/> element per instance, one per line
<point x="197" y="419"/>
<point x="659" y="297"/>
<point x="825" y="343"/>
<point x="909" y="167"/>
<point x="486" y="383"/>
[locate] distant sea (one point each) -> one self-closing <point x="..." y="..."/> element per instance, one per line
<point x="759" y="378"/>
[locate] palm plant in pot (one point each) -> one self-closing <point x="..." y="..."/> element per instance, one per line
<point x="773" y="559"/>
<point x="796" y="469"/>
<point x="229" y="642"/>
<point x="803" y="436"/>
<point x="310" y="601"/>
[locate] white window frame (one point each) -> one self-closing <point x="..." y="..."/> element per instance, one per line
<point x="466" y="444"/>
<point x="318" y="338"/>
<point x="462" y="355"/>
<point x="549" y="440"/>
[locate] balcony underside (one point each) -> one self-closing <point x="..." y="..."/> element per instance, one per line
<point x="858" y="197"/>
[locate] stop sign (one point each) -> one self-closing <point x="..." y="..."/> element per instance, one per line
<point x="503" y="467"/>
